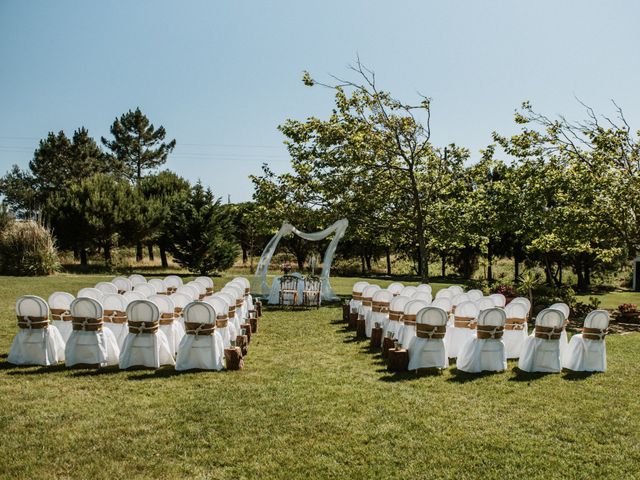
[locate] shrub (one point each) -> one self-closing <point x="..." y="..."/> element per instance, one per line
<point x="506" y="290"/>
<point x="27" y="248"/>
<point x="628" y="308"/>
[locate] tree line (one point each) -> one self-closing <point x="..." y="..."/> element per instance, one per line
<point x="95" y="199"/>
<point x="557" y="194"/>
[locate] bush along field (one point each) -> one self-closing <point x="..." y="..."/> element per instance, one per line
<point x="312" y="402"/>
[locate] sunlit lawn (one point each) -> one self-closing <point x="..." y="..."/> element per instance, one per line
<point x="312" y="403"/>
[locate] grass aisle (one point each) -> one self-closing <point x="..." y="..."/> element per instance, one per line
<point x="313" y="403"/>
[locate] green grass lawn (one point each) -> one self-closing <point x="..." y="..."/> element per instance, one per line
<point x="312" y="403"/>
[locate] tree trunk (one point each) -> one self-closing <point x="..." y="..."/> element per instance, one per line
<point x="516" y="269"/>
<point x="388" y="252"/>
<point x="83" y="257"/>
<point x="76" y="254"/>
<point x="163" y="256"/>
<point x="367" y="259"/>
<point x="547" y="271"/>
<point x="489" y="262"/>
<point x="107" y="255"/>
<point x="362" y="264"/>
<point x="444" y="265"/>
<point x="245" y="256"/>
<point x="578" y="266"/>
<point x="559" y="272"/>
<point x="587" y="275"/>
<point x="300" y="260"/>
<point x="422" y="242"/>
<point x="138" y="251"/>
<point x="150" y="251"/>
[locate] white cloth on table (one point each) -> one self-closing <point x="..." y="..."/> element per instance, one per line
<point x="146" y="350"/>
<point x="38" y="346"/>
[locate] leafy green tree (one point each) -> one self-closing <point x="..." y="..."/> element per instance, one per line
<point x="202" y="237"/>
<point x="137" y="144"/>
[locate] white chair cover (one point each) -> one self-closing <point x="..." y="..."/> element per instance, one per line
<point x="407" y="331"/>
<point x="90" y="347"/>
<point x="107" y="287"/>
<point x="158" y="285"/>
<point x="525" y="301"/>
<point x="542" y="354"/>
<point x="514" y="339"/>
<point x="35" y="346"/>
<point x="456" y="290"/>
<point x="235" y="292"/>
<point x="499" y="299"/>
<point x="200" y="351"/>
<point x="61" y="301"/>
<point x="459" y="298"/>
<point x="207" y="282"/>
<point x="457" y="337"/>
<point x="445" y="293"/>
<point x="220" y="305"/>
<point x="485" y="303"/>
<point x="248" y="298"/>
<point x="131" y="296"/>
<point x="378" y="317"/>
<point x="475" y="294"/>
<point x="395" y="288"/>
<point x="355" y="304"/>
<point x="408" y="291"/>
<point x="90" y="293"/>
<point x="202" y="289"/>
<point x="114" y="301"/>
<point x="485" y="354"/>
<point x="230" y="297"/>
<point x="365" y="310"/>
<point x="239" y="286"/>
<point x="180" y="300"/>
<point x="424" y="287"/>
<point x="144" y="349"/>
<point x="173" y="281"/>
<point x="443" y="303"/>
<point x="427" y="352"/>
<point x="136" y="279"/>
<point x="173" y="331"/>
<point x="190" y="291"/>
<point x="588" y="354"/>
<point x="123" y="284"/>
<point x="392" y="325"/>
<point x="144" y="289"/>
<point x="564" y="338"/>
<point x="422" y="295"/>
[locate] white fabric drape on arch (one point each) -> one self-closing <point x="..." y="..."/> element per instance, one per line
<point x="338" y="228"/>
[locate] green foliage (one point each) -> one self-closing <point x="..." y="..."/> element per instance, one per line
<point x="137" y="145"/>
<point x="27" y="248"/>
<point x="202" y="237"/>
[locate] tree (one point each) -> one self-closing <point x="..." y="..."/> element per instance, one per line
<point x="161" y="192"/>
<point x="202" y="238"/>
<point x="371" y="133"/>
<point x="137" y="144"/>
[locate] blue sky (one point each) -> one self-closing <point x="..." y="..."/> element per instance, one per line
<point x="221" y="75"/>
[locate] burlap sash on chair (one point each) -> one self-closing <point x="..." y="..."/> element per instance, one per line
<point x="239" y="302"/>
<point x="464" y="322"/>
<point x="167" y="318"/>
<point x="356" y="296"/>
<point x="60" y="314"/>
<point x="201" y="296"/>
<point x="203" y="329"/>
<point x="548" y="333"/>
<point x="85" y="324"/>
<point x="32" y="323"/>
<point x="514" y="324"/>
<point x="247" y="291"/>
<point x="367" y="301"/>
<point x="409" y="319"/>
<point x="143" y="327"/>
<point x="114" y="316"/>
<point x="381" y="307"/>
<point x="171" y="290"/>
<point x="433" y="332"/>
<point x="222" y="321"/>
<point x="209" y="291"/>
<point x="178" y="311"/>
<point x="485" y="332"/>
<point x="594" y="333"/>
<point x="395" y="315"/>
<point x="121" y="292"/>
<point x="232" y="311"/>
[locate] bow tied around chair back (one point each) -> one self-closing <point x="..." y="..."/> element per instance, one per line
<point x="144" y="317"/>
<point x="199" y="319"/>
<point x="86" y="314"/>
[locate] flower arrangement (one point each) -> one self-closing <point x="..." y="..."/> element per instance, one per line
<point x="286" y="267"/>
<point x="628" y="308"/>
<point x="506" y="290"/>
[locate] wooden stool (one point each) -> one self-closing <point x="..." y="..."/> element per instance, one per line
<point x="353" y="320"/>
<point x="248" y="329"/>
<point x="376" y="337"/>
<point x="387" y="344"/>
<point x="361" y="330"/>
<point x="346" y="310"/>
<point x="398" y="360"/>
<point x="253" y="321"/>
<point x="233" y="358"/>
<point x="242" y="344"/>
<point x="258" y="305"/>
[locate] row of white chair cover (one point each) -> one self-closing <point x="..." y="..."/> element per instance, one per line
<point x="476" y="354"/>
<point x="114" y="343"/>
